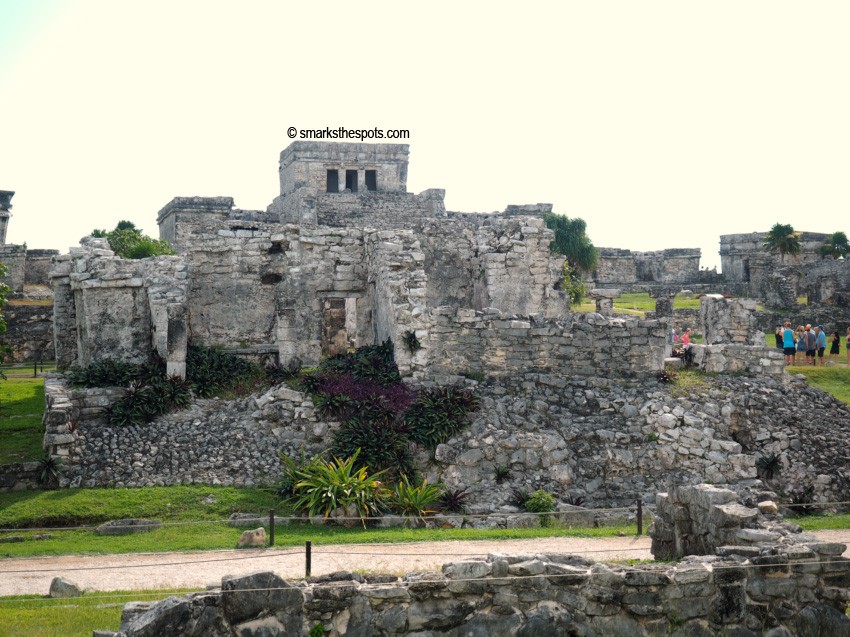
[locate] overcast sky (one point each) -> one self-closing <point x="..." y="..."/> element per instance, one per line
<point x="662" y="124"/>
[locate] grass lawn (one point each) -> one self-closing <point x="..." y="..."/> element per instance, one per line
<point x="28" y="615"/>
<point x="21" y="431"/>
<point x="639" y="303"/>
<point x="205" y="508"/>
<point x="834" y="380"/>
<point x="829" y="522"/>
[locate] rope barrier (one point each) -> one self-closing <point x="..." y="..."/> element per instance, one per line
<point x="497" y="580"/>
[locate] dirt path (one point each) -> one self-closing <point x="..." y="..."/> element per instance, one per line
<point x="186" y="570"/>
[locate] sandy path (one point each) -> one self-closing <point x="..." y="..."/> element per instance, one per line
<point x="178" y="570"/>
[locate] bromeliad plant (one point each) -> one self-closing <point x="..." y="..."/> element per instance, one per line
<point x="324" y="487"/>
<point x="415" y="500"/>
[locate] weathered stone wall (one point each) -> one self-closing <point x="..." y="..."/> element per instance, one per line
<point x="397" y="287"/>
<point x="304" y="164"/>
<point x="19" y="476"/>
<point x="737" y="250"/>
<point x="800" y="590"/>
<point x="14" y="257"/>
<point x="589" y="345"/>
<point x="38" y="266"/>
<point x="725" y="320"/>
<point x="182" y="218"/>
<point x="624" y="267"/>
<point x="734" y="358"/>
<point x="108" y="308"/>
<point x="214" y="442"/>
<point x="826" y="282"/>
<point x="29" y="332"/>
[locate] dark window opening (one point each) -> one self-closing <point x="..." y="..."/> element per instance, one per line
<point x="333" y="181"/>
<point x="371" y="180"/>
<point x="278" y="247"/>
<point x="270" y="278"/>
<point x="351" y="180"/>
<point x="746" y="272"/>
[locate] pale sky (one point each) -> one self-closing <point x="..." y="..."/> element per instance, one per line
<point x="662" y="124"/>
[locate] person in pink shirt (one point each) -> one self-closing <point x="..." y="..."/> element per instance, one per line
<point x="686" y="337"/>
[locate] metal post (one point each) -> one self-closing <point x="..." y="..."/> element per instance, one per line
<point x="640" y="516"/>
<point x="35" y="369"/>
<point x="308" y="558"/>
<point x="271" y="527"/>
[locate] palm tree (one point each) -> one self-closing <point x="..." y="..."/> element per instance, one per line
<point x="782" y="239"/>
<point x="836" y="246"/>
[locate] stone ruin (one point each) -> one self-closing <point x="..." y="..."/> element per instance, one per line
<point x="571" y="402"/>
<point x="738" y="571"/>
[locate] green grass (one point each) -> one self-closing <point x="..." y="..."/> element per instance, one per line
<point x="833" y="380"/>
<point x="76" y="507"/>
<point x="27" y="615"/>
<point x="213" y="536"/>
<point x="828" y="522"/>
<point x="639" y="303"/>
<point x="205" y="507"/>
<point x="21" y="408"/>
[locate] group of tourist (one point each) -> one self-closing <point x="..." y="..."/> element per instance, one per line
<point x="806" y="345"/>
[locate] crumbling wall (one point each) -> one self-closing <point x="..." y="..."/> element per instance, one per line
<point x="29" y="333"/>
<point x="14" y="257"/>
<point x="109" y="308"/>
<point x="826" y="282"/>
<point x="738" y="252"/>
<point x="725" y="320"/>
<point x="492" y="343"/>
<point x="183" y="218"/>
<point x="624" y="267"/>
<point x="799" y="591"/>
<point x="398" y="285"/>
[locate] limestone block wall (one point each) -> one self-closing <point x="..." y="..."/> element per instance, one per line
<point x="734" y="358"/>
<point x="826" y="282"/>
<point x="725" y="320"/>
<point x="624" y="267"/>
<point x="382" y="210"/>
<point x="29" y="332"/>
<point x="519" y="272"/>
<point x="38" y="266"/>
<point x="737" y="250"/>
<point x="798" y="591"/>
<point x="108" y="308"/>
<point x="184" y="217"/>
<point x="14" y="257"/>
<point x="306" y="163"/>
<point x="492" y="343"/>
<point x="397" y="287"/>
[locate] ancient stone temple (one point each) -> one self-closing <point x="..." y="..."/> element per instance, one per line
<point x="343" y="257"/>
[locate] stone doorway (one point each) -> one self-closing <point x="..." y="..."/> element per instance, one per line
<point x="339" y="325"/>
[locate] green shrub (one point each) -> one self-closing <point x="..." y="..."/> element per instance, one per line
<point x="323" y="486"/>
<point x="412" y="499"/>
<point x="104" y="374"/>
<point x="382" y="445"/>
<point x="147" y="247"/>
<point x="211" y="370"/>
<point x="541" y="502"/>
<point x="439" y="413"/>
<point x="144" y="403"/>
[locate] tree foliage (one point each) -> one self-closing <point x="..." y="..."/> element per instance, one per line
<point x="571" y="241"/>
<point x="836" y="246"/>
<point x="128" y="241"/>
<point x="782" y="239"/>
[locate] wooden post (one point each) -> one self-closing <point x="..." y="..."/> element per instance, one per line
<point x="271" y="527"/>
<point x="640" y="516"/>
<point x="308" y="564"/>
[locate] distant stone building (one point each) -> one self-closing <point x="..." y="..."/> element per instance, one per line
<point x="29" y="333"/>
